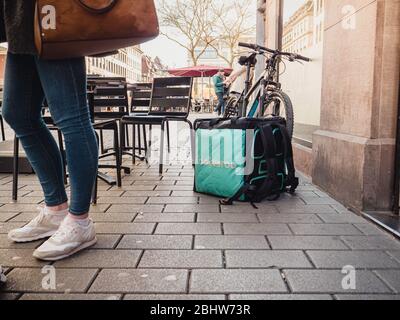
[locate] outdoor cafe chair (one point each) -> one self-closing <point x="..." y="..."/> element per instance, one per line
<point x="3" y="134"/>
<point x="108" y="103"/>
<point x="170" y="101"/>
<point x="139" y="105"/>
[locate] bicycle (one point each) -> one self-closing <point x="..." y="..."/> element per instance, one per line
<point x="266" y="95"/>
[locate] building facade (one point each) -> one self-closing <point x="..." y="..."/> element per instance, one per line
<point x="298" y="32"/>
<point x="127" y="63"/>
<point x="153" y="68"/>
<point x="353" y="151"/>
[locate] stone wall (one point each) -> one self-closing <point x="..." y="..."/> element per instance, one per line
<point x="354" y="150"/>
<point x="353" y="153"/>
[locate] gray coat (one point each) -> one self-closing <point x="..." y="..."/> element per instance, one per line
<point x="16" y="25"/>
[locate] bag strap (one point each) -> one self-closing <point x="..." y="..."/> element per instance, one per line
<point x="104" y="9"/>
<point x="292" y="181"/>
<point x="270" y="149"/>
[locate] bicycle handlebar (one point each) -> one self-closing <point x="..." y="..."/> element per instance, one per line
<point x="261" y="48"/>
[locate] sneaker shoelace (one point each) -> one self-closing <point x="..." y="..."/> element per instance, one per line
<point x="66" y="229"/>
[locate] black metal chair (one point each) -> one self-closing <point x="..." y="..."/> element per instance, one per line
<point x="108" y="101"/>
<point x="170" y="101"/>
<point x="140" y="105"/>
<point x="3" y="134"/>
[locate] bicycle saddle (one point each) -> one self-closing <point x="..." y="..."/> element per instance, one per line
<point x="250" y="59"/>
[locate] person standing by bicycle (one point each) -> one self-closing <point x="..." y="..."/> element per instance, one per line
<point x="219" y="87"/>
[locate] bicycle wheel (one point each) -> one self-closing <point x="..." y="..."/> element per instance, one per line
<point x="280" y="105"/>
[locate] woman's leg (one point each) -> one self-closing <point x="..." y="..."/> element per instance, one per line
<point x="23" y="100"/>
<point x="64" y="85"/>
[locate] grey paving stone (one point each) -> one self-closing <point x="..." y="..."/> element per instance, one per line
<point x="301" y="297"/>
<point x="174" y="297"/>
<point x="369" y="229"/>
<point x="138" y="187"/>
<point x="319" y="200"/>
<point x="146" y="178"/>
<point x="391" y="277"/>
<point x="165" y="217"/>
<point x="394" y="254"/>
<point x="372" y="242"/>
<point x="188" y="228"/>
<point x="7" y="244"/>
<point x="303" y="209"/>
<point x="24" y="217"/>
<point x="140" y="281"/>
<point x="102" y="259"/>
<point x="23" y="200"/>
<point x="118" y="208"/>
<point x="155" y="242"/>
<point x="18" y="258"/>
<point x="230" y="242"/>
<point x="158" y="193"/>
<point x="174" y="188"/>
<point x="154" y="183"/>
<point x="106" y="241"/>
<point x="226" y="217"/>
<point x="5" y="216"/>
<point x="324" y="229"/>
<point x="185" y="183"/>
<point x="185" y="193"/>
<point x="236" y="281"/>
<point x="67" y="280"/>
<point x="330" y="281"/>
<point x="266" y="259"/>
<point x="76" y="296"/>
<point x="192" y="208"/>
<point x="113" y="217"/>
<point x="256" y="229"/>
<point x="173" y="200"/>
<point x="342" y="218"/>
<point x="18" y="207"/>
<point x="6" y="227"/>
<point x="306" y="243"/>
<point x="289" y="218"/>
<point x="365" y="297"/>
<point x="357" y="259"/>
<point x="247" y="208"/>
<point x="125" y="228"/>
<point x="204" y="199"/>
<point x="181" y="259"/>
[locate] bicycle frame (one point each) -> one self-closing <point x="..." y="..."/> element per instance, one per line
<point x="261" y="87"/>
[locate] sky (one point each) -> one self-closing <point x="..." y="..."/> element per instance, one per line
<point x="290" y="7"/>
<point x="175" y="56"/>
<point x="170" y="53"/>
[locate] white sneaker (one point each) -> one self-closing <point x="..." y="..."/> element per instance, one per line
<point x="41" y="227"/>
<point x="69" y="239"/>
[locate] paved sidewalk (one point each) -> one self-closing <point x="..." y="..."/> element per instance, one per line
<point x="159" y="240"/>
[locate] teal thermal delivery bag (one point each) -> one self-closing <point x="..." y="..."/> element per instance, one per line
<point x="244" y="159"/>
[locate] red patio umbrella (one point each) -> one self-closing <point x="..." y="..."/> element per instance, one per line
<point x="199" y="72"/>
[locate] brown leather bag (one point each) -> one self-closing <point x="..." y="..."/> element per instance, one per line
<point x="77" y="28"/>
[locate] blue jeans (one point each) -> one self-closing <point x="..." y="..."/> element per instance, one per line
<point x="28" y="81"/>
<point x="221" y="103"/>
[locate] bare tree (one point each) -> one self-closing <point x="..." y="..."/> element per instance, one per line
<point x="234" y="20"/>
<point x="189" y="23"/>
